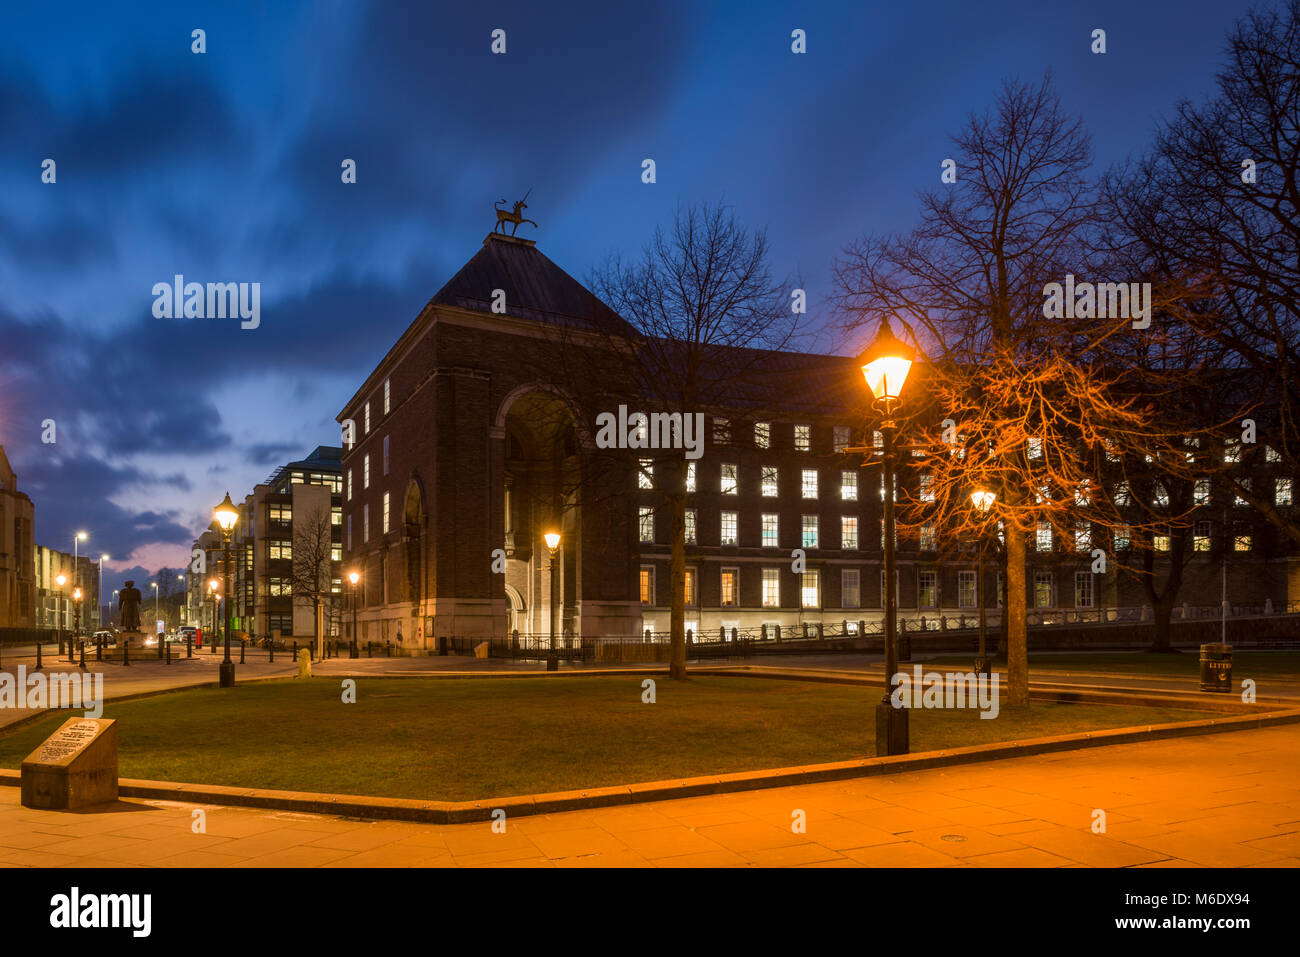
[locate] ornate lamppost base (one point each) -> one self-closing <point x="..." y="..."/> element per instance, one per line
<point x="226" y="673"/>
<point x="891" y="729"/>
<point x="983" y="667"/>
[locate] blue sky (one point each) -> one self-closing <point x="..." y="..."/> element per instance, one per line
<point x="225" y="167"/>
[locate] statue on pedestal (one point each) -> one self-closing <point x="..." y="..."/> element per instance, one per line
<point x="128" y="604"/>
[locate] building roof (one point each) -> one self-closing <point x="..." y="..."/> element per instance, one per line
<point x="535" y="287"/>
<point x="323" y="458"/>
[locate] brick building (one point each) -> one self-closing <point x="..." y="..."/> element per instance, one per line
<point x="455" y="446"/>
<point x="17" y="573"/>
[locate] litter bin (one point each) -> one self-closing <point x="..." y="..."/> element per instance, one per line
<point x="1216" y="667"/>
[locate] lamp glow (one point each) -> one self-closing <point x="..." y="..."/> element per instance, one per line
<point x="983" y="499"/>
<point x="552" y="540"/>
<point x="886" y="363"/>
<point x="226" y="514"/>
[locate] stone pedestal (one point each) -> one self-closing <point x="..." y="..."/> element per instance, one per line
<point x="74" y="767"/>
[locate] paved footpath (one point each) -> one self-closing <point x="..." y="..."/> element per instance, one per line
<point x="1224" y="800"/>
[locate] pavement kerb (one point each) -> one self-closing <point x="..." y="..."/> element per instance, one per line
<point x="453" y="812"/>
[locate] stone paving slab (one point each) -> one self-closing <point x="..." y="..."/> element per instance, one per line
<point x="1032" y="811"/>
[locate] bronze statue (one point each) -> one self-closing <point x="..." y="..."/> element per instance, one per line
<point x="503" y="217"/>
<point x="128" y="603"/>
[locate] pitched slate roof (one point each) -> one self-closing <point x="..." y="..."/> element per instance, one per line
<point x="535" y="287"/>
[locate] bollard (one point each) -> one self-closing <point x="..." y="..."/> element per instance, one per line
<point x="126" y="652"/>
<point x="99" y="648"/>
<point x="38" y="656"/>
<point x="388" y="649"/>
<point x="552" y="663"/>
<point x="189" y="645"/>
<point x="168" y="656"/>
<point x="241" y="650"/>
<point x="82" y="663"/>
<point x="70" y="649"/>
<point x="370" y="649"/>
<point x="271" y="648"/>
<point x="295" y="651"/>
<point x="304" y="663"/>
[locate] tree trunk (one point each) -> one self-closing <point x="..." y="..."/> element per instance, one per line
<point x="1015" y="603"/>
<point x="677" y="576"/>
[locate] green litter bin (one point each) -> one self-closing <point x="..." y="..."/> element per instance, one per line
<point x="1216" y="667"/>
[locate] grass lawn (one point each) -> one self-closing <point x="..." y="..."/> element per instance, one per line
<point x="1248" y="664"/>
<point x="457" y="739"/>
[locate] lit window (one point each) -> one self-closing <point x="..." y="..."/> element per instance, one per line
<point x="689" y="587"/>
<point x="769" y="481"/>
<point x="690" y="476"/>
<point x="841" y="437"/>
<point x="690" y="526"/>
<point x="1121" y="495"/>
<point x="1232" y="451"/>
<point x="1083" y="589"/>
<point x="386" y="513"/>
<point x="763" y="435"/>
<point x="336" y="515"/>
<point x="1043" y="590"/>
<point x="1282" y="491"/>
<point x="1160" y="542"/>
<point x="877" y="439"/>
<point x="1244" y="485"/>
<point x="349" y="485"/>
<point x="1201" y="491"/>
<point x="367" y="418"/>
<point x="803" y="437"/>
<point x="365" y="471"/>
<point x="927" y="589"/>
<point x="1035" y="447"/>
<point x="729" y="528"/>
<point x="646" y="517"/>
<point x="771" y="587"/>
<point x="882" y="488"/>
<point x="336" y="553"/>
<point x="728" y="483"/>
<point x="1241" y="543"/>
<point x="1082" y="536"/>
<point x="810" y="590"/>
<point x="809" y="531"/>
<point x="730" y="585"/>
<point x="1122" y="537"/>
<point x="647" y="585"/>
<point x="849" y="486"/>
<point x="721" y="430"/>
<point x="849" y="531"/>
<point x="809" y="483"/>
<point x="1201" y="537"/>
<point x="928" y="541"/>
<point x="1083" y="493"/>
<point x="1111" y="455"/>
<point x="1043" y="537"/>
<point x="769" y="530"/>
<point x="1160" y="495"/>
<point x="365" y="522"/>
<point x="1271" y="454"/>
<point x="387" y="396"/>
<point x="966" y="590"/>
<point x="645" y="475"/>
<point x="927" y="487"/>
<point x="850" y="588"/>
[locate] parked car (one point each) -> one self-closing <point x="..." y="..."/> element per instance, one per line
<point x="191" y="632"/>
<point x="107" y="637"/>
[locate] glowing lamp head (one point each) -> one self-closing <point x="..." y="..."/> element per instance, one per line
<point x="354" y="577"/>
<point x="885" y="364"/>
<point x="552" y="540"/>
<point x="103" y="558"/>
<point x="82" y="536"/>
<point x="983" y="499"/>
<point x="226" y="514"/>
<point x="212" y="584"/>
<point x="76" y="594"/>
<point x="61" y="579"/>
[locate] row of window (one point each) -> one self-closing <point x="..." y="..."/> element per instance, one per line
<point x="365" y="470"/>
<point x="279" y="549"/>
<point x="365" y="522"/>
<point x="801" y="435"/>
<point x="365" y="414"/>
<point x="927" y="588"/>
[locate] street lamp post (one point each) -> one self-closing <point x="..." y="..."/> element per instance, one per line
<point x="76" y="598"/>
<point x="214" y="632"/>
<point x="983" y="500"/>
<point x="354" y="577"/>
<point x="885" y="365"/>
<point x="155" y="618"/>
<point x="552" y="543"/>
<point x="227" y="515"/>
<point x="60" y="580"/>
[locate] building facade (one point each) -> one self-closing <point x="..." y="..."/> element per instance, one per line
<point x="458" y="457"/>
<point x="17" y="574"/>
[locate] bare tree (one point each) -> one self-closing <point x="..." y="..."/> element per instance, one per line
<point x="312" y="569"/>
<point x="1021" y="398"/>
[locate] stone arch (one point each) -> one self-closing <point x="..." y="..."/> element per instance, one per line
<point x="415" y="518"/>
<point x="585" y="436"/>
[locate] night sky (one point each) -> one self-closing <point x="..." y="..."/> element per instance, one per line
<point x="225" y="167"/>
